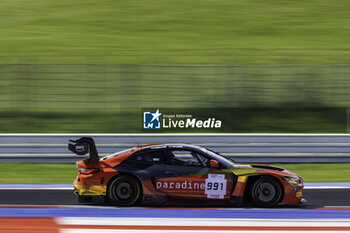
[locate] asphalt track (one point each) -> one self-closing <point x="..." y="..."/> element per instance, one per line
<point x="54" y="209"/>
<point x="314" y="197"/>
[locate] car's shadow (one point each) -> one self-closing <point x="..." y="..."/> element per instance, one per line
<point x="192" y="204"/>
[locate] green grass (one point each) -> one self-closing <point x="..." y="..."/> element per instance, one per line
<point x="13" y="173"/>
<point x="181" y="31"/>
<point x="321" y="172"/>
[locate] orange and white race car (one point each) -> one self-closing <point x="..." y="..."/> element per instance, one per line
<point x="155" y="173"/>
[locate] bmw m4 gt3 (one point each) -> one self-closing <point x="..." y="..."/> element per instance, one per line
<point x="155" y="173"/>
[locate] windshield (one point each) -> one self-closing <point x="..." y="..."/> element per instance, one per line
<point x="117" y="153"/>
<point x="226" y="162"/>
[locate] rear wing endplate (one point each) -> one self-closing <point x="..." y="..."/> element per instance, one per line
<point x="83" y="146"/>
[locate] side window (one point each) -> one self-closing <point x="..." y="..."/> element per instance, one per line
<point x="153" y="156"/>
<point x="184" y="158"/>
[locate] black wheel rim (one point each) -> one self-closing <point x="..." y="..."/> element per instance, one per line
<point x="124" y="191"/>
<point x="265" y="192"/>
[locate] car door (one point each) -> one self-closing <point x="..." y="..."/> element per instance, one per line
<point x="148" y="165"/>
<point x="187" y="174"/>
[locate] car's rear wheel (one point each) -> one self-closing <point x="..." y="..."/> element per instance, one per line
<point x="265" y="192"/>
<point x="124" y="191"/>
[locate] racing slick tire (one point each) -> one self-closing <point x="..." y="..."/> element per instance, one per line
<point x="265" y="192"/>
<point x="124" y="191"/>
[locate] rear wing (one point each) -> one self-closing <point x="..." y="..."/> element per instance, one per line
<point x="83" y="146"/>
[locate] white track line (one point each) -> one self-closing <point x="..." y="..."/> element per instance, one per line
<point x="203" y="222"/>
<point x="181" y="231"/>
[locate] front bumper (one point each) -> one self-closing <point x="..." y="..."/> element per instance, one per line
<point x="293" y="194"/>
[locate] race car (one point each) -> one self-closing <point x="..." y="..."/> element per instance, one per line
<point x="156" y="173"/>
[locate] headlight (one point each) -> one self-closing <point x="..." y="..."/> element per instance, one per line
<point x="292" y="180"/>
<point x="83" y="169"/>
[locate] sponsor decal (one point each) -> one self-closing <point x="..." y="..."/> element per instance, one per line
<point x="215" y="186"/>
<point x="180" y="185"/>
<point x="79" y="148"/>
<point x="90" y="189"/>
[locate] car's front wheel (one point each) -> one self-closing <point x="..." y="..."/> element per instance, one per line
<point x="265" y="192"/>
<point x="124" y="191"/>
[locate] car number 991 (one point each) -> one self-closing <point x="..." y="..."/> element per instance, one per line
<point x="215" y="186"/>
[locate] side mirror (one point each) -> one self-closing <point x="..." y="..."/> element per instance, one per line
<point x="214" y="163"/>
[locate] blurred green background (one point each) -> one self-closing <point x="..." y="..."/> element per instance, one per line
<point x="90" y="66"/>
<point x="175" y="32"/>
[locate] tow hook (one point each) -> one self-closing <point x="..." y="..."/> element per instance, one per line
<point x="303" y="201"/>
